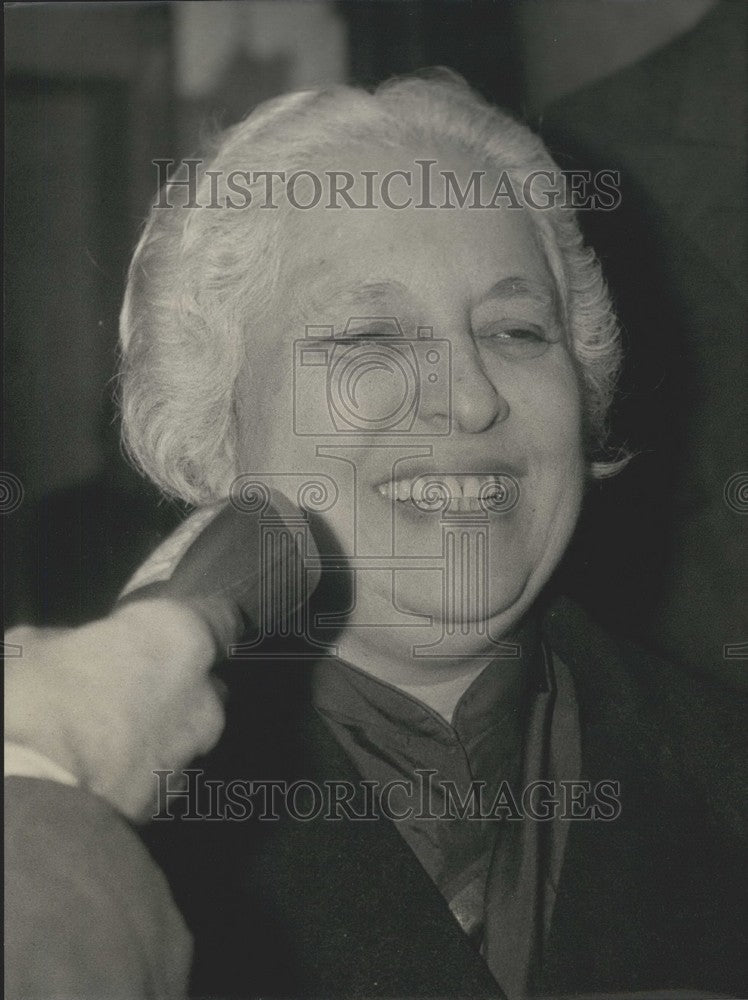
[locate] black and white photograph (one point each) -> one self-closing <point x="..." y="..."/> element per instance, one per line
<point x="374" y="500"/>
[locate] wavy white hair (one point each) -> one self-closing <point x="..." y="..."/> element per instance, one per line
<point x="201" y="279"/>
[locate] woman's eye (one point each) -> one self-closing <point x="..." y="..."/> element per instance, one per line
<point x="518" y="341"/>
<point x="354" y="336"/>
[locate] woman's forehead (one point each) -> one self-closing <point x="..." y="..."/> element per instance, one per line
<point x="387" y="258"/>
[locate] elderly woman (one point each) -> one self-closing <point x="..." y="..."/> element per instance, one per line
<point x="443" y="780"/>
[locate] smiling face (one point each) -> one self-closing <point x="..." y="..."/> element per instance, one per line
<point x="487" y="406"/>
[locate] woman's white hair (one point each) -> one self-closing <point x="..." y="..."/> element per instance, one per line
<point x="202" y="278"/>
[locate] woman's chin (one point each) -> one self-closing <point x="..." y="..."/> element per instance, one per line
<point x="464" y="605"/>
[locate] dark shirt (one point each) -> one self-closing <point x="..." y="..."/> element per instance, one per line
<point x="516" y="723"/>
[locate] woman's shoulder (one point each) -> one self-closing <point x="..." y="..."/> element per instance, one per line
<point x="683" y="726"/>
<point x="599" y="658"/>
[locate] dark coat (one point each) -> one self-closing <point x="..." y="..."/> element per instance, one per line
<point x="343" y="908"/>
<point x="337" y="908"/>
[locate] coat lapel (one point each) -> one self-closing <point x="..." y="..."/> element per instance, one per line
<point x="639" y="903"/>
<point x="324" y="908"/>
<point x="364" y="917"/>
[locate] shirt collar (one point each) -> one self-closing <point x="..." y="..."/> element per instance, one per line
<point x="350" y="695"/>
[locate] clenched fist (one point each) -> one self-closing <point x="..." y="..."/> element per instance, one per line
<point x="116" y="699"/>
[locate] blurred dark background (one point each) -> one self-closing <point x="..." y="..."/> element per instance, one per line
<point x="654" y="89"/>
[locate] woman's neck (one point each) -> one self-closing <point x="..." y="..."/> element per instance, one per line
<point x="438" y="681"/>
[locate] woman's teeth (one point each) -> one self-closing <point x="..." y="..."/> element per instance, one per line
<point x="432" y="492"/>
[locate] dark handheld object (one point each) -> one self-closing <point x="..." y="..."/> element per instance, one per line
<point x="231" y="569"/>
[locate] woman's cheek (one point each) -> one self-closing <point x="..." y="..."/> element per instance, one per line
<point x="548" y="415"/>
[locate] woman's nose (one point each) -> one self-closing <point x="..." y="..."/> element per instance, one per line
<point x="475" y="402"/>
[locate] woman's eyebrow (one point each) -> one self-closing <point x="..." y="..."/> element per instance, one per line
<point x="372" y="293"/>
<point x="513" y="288"/>
<point x="383" y="298"/>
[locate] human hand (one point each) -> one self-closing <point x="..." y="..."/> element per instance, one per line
<point x="116" y="699"/>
